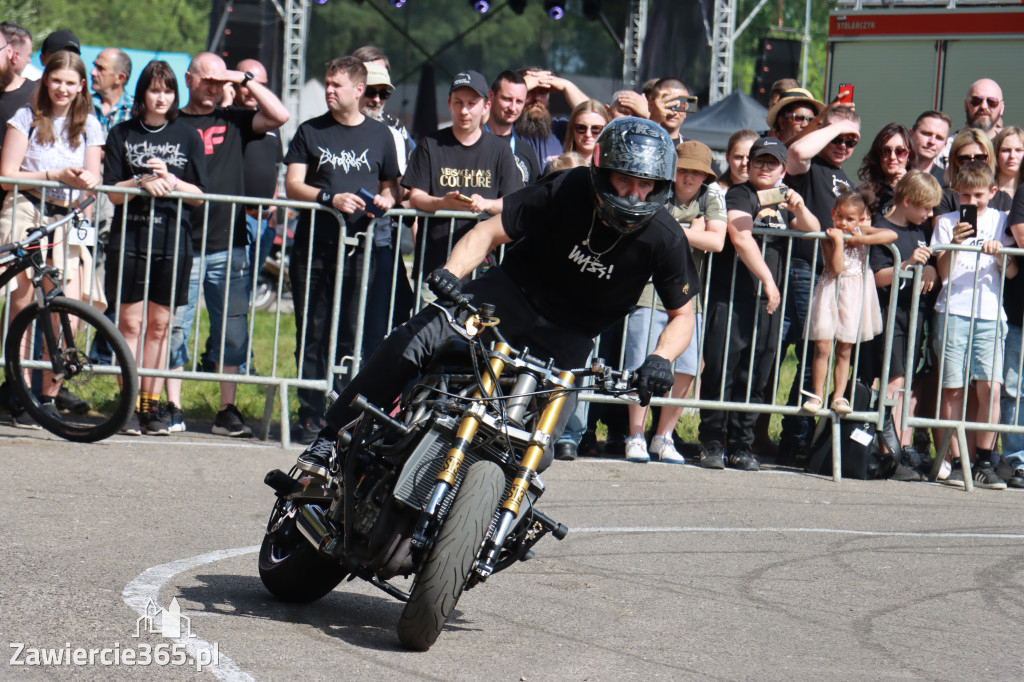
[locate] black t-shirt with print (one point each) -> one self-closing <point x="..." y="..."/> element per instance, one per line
<point x="1013" y="294"/>
<point x="819" y="187"/>
<point x="525" y="157"/>
<point x="590" y="286"/>
<point x="442" y="164"/>
<point x="880" y="257"/>
<point x="224" y="133"/>
<point x="339" y="159"/>
<point x="743" y="197"/>
<point x="129" y="146"/>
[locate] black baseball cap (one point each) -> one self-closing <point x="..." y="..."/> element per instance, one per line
<point x="768" y="146"/>
<point x="469" y="79"/>
<point x="61" y="40"/>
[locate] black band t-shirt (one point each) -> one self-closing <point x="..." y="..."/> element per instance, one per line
<point x="743" y="197"/>
<point x="224" y="133"/>
<point x="577" y="271"/>
<point x="442" y="164"/>
<point x="819" y="187"/>
<point x="340" y="159"/>
<point x="129" y="146"/>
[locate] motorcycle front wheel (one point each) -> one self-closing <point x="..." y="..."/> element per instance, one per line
<point x="440" y="582"/>
<point x="290" y="567"/>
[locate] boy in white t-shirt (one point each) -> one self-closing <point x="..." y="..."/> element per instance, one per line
<point x="970" y="299"/>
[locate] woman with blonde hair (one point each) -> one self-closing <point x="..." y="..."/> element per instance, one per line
<point x="1009" y="149"/>
<point x="970" y="145"/>
<point x="586" y="122"/>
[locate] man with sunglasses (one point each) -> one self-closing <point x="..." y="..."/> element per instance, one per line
<point x="983" y="109"/>
<point x="814" y="169"/>
<point x="791" y="113"/>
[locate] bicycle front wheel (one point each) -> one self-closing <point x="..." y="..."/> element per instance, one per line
<point x="57" y="346"/>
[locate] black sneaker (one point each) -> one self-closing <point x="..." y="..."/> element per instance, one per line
<point x="986" y="477"/>
<point x="175" y="418"/>
<point x="712" y="456"/>
<point x="1016" y="479"/>
<point x="744" y="461"/>
<point x="905" y="473"/>
<point x="316" y="459"/>
<point x="306" y="431"/>
<point x="565" y="451"/>
<point x="69" y="402"/>
<point x="131" y="427"/>
<point x="154" y="423"/>
<point x="956" y="475"/>
<point x="23" y="420"/>
<point x="229" y="422"/>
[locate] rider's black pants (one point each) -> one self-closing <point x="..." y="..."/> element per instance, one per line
<point x="407" y="351"/>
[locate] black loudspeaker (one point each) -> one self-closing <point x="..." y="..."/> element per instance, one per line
<point x="248" y="29"/>
<point x="777" y="58"/>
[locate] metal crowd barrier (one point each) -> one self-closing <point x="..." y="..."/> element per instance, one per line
<point x="279" y="384"/>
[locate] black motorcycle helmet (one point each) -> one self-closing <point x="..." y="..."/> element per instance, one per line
<point x="638" y="148"/>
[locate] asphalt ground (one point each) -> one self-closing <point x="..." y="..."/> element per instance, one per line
<point x="669" y="572"/>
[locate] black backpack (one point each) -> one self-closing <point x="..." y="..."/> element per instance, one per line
<point x="866" y="454"/>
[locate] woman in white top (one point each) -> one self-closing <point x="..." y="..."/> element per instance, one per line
<point x="57" y="139"/>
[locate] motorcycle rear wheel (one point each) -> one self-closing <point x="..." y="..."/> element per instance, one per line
<point x="290" y="567"/>
<point x="441" y="580"/>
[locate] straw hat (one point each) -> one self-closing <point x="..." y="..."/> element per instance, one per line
<point x="794" y="96"/>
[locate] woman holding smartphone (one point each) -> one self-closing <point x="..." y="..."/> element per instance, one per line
<point x="55" y="139"/>
<point x="157" y="153"/>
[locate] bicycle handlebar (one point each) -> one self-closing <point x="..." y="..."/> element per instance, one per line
<point x="75" y="214"/>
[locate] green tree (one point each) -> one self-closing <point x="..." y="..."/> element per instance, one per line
<point x="161" y="25"/>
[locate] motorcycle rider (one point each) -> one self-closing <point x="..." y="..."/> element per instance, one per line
<point x="583" y="243"/>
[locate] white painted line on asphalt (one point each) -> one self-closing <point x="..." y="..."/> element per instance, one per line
<point x="770" y="529"/>
<point x="146" y="586"/>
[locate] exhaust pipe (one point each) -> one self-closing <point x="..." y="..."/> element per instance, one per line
<point x="316" y="528"/>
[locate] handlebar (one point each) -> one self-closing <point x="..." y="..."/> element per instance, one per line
<point x="75" y="214"/>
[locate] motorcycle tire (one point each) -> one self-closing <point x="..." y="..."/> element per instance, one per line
<point x="292" y="570"/>
<point x="440" y="582"/>
<point x="265" y="294"/>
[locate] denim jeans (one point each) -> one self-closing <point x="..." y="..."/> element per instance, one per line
<point x="234" y="321"/>
<point x="796" y="431"/>
<point x="1013" y="443"/>
<point x="266" y="235"/>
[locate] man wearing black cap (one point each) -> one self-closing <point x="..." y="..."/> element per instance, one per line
<point x="57" y="41"/>
<point x="462" y="168"/>
<point x="737" y="310"/>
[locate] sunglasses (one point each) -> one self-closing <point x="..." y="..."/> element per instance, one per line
<point x="382" y="93"/>
<point x="898" y="152"/>
<point x="769" y="163"/>
<point x="965" y="158"/>
<point x="992" y="102"/>
<point x="849" y="142"/>
<point x="797" y="118"/>
<point x="582" y="129"/>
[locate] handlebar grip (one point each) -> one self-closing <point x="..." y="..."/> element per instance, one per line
<point x="88" y="202"/>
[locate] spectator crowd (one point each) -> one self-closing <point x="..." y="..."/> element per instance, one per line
<point x="792" y="251"/>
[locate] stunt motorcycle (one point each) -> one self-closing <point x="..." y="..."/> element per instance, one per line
<point x="444" y="492"/>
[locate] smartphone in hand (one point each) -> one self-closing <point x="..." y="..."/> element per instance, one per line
<point x="770" y="197"/>
<point x="371" y="209"/>
<point x="462" y="197"/>
<point x="846" y="93"/>
<point x="969" y="214"/>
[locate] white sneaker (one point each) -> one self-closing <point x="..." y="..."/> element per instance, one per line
<point x="636" y="449"/>
<point x="945" y="471"/>
<point x="665" y="449"/>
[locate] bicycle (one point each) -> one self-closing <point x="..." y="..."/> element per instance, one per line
<point x="48" y="346"/>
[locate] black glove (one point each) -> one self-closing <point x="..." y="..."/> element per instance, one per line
<point x="445" y="285"/>
<point x="654" y="377"/>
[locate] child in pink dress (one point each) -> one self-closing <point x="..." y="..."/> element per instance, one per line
<point x="845" y="304"/>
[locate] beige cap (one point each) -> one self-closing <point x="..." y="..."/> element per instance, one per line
<point x="377" y="75"/>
